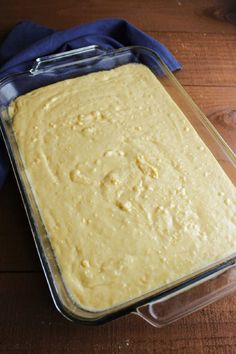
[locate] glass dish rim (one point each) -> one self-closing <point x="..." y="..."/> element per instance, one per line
<point x="158" y="294"/>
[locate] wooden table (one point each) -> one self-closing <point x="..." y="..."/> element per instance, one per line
<point x="202" y="35"/>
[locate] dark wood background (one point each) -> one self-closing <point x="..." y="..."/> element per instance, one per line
<point x="202" y="35"/>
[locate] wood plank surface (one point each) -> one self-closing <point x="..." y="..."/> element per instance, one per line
<point x="205" y="57"/>
<point x="29" y="323"/>
<point x="211" y="16"/>
<point x="202" y="35"/>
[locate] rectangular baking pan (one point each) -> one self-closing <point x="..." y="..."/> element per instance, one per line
<point x="164" y="305"/>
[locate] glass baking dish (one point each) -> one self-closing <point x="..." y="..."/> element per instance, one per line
<point x="166" y="304"/>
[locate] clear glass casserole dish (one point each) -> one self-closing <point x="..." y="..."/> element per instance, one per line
<point x="165" y="304"/>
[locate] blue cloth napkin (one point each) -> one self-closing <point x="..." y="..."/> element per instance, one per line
<point x="28" y="40"/>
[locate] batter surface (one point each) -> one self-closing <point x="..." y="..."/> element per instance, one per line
<point x="131" y="197"/>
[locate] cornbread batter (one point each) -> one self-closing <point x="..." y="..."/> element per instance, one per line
<point x="131" y="197"/>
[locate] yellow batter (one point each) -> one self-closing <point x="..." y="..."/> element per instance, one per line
<point x="130" y="196"/>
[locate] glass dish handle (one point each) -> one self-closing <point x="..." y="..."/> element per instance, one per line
<point x="63" y="59"/>
<point x="164" y="311"/>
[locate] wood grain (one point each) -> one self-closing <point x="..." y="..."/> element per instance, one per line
<point x="29" y="323"/>
<point x="205" y="57"/>
<point x="211" y="16"/>
<point x="202" y="35"/>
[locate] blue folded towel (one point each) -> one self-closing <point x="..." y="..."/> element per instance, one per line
<point x="28" y="40"/>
